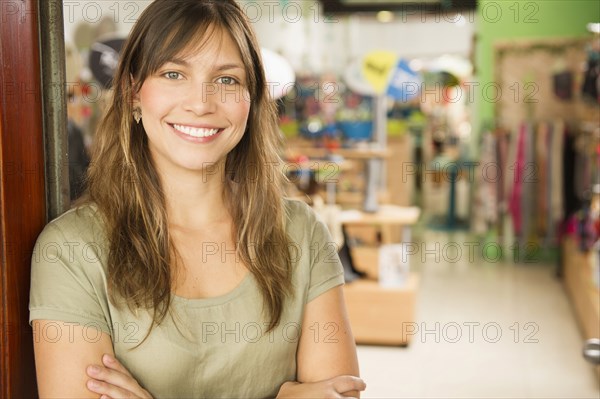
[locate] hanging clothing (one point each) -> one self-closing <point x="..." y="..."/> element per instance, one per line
<point x="541" y="151"/>
<point x="502" y="138"/>
<point x="550" y="232"/>
<point x="583" y="171"/>
<point x="556" y="174"/>
<point x="563" y="85"/>
<point x="515" y="205"/>
<point x="571" y="202"/>
<point x="527" y="180"/>
<point x="591" y="82"/>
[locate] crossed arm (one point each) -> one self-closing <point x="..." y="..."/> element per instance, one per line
<point x="326" y="367"/>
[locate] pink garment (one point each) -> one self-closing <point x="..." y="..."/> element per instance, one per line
<point x="514" y="204"/>
<point x="541" y="162"/>
<point x="570" y="226"/>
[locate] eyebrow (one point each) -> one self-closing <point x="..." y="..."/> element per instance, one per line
<point x="223" y="67"/>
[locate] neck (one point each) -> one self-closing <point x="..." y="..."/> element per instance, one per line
<point x="195" y="199"/>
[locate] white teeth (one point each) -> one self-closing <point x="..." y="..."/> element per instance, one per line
<point x="195" y="131"/>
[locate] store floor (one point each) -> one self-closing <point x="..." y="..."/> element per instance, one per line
<point x="485" y="330"/>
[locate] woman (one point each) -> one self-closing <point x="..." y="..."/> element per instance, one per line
<point x="184" y="273"/>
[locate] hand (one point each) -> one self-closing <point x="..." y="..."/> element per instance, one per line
<point x="114" y="381"/>
<point x="336" y="387"/>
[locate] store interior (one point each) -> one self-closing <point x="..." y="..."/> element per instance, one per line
<point x="453" y="149"/>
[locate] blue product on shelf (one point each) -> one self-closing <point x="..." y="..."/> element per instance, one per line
<point x="312" y="128"/>
<point x="357" y="130"/>
<point x="313" y="134"/>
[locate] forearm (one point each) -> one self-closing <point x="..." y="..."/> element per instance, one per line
<point x="344" y="385"/>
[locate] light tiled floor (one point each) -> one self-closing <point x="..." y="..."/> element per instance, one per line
<point x="505" y="331"/>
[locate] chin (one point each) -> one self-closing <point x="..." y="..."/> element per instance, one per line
<point x="209" y="166"/>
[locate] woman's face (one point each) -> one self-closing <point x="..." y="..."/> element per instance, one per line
<point x="195" y="108"/>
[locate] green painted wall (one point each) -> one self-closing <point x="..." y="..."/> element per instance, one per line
<point x="511" y="19"/>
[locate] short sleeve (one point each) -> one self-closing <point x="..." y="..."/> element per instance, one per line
<point x="326" y="269"/>
<point x="67" y="283"/>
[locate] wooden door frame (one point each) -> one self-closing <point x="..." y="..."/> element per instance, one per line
<point x="33" y="170"/>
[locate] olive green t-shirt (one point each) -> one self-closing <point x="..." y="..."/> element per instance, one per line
<point x="206" y="348"/>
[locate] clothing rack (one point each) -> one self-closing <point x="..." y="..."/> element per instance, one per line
<point x="531" y="180"/>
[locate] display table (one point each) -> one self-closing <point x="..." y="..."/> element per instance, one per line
<point x="387" y="214"/>
<point x="390" y="224"/>
<point x="380" y="315"/>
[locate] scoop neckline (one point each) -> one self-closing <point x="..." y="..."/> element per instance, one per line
<point x="215" y="300"/>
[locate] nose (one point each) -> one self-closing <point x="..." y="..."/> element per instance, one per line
<point x="201" y="98"/>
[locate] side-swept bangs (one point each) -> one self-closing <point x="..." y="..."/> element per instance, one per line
<point x="185" y="27"/>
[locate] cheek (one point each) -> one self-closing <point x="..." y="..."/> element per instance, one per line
<point x="150" y="99"/>
<point x="241" y="109"/>
<point x="245" y="112"/>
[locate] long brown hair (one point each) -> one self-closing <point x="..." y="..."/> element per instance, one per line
<point x="126" y="188"/>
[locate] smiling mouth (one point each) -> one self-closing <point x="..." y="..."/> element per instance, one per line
<point x="195" y="131"/>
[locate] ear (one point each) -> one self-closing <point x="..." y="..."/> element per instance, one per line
<point x="136" y="95"/>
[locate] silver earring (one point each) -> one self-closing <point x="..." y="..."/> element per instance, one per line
<point x="137" y="115"/>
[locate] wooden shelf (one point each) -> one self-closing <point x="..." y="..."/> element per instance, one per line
<point x="307" y="148"/>
<point x="366" y="153"/>
<point x="584" y="295"/>
<point x="329" y="167"/>
<point x="350" y="200"/>
<point x="351" y="177"/>
<point x="579" y="284"/>
<point x="386" y="215"/>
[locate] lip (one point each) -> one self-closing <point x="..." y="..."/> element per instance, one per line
<point x="193" y="139"/>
